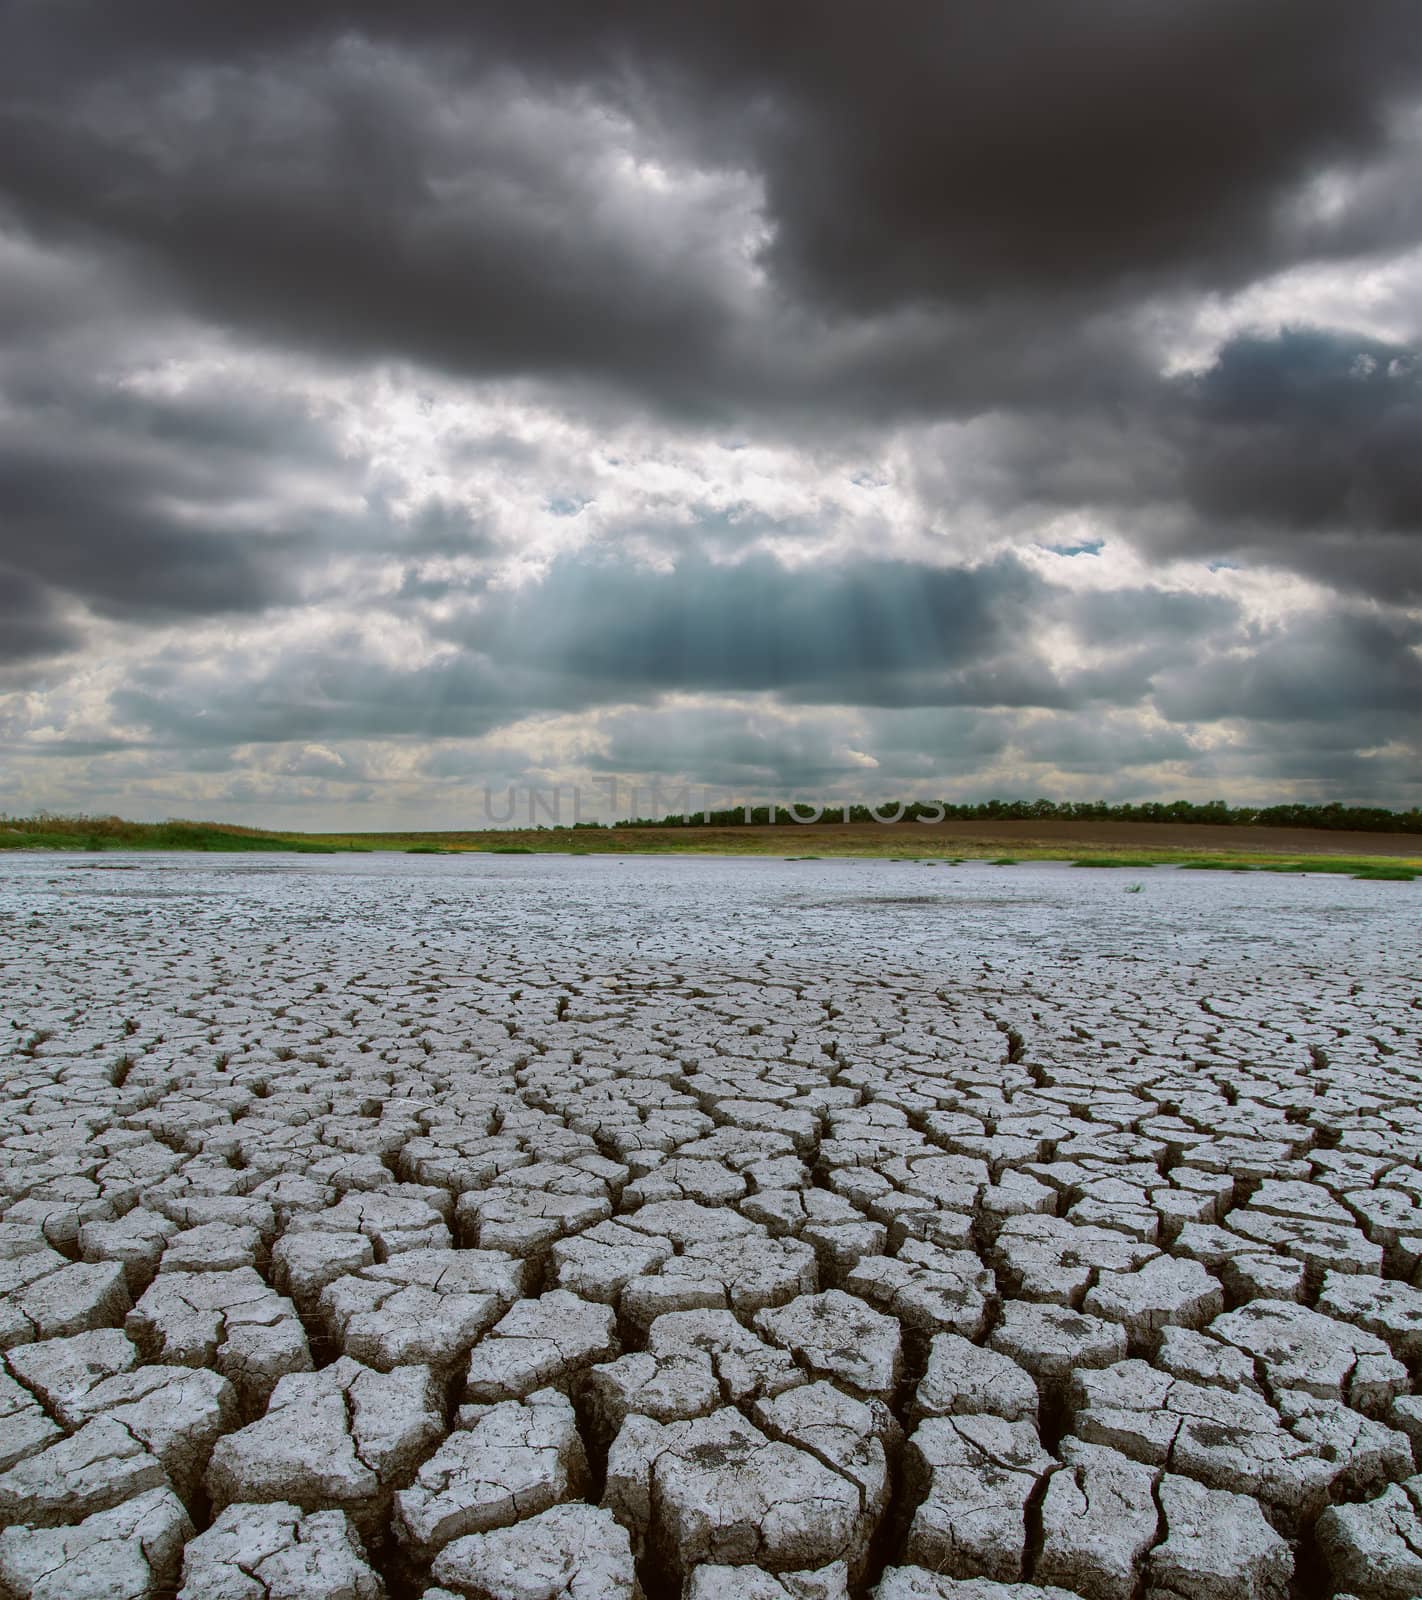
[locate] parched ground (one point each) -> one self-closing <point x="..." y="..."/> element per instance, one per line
<point x="541" y="1229"/>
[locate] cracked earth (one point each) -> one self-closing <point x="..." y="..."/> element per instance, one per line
<point x="555" y="1229"/>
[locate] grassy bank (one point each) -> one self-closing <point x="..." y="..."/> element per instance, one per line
<point x="114" y="833"/>
<point x="1104" y="845"/>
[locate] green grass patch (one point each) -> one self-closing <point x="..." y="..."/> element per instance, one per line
<point x="1003" y="861"/>
<point x="1343" y="867"/>
<point x="1349" y="866"/>
<point x="112" y="833"/>
<point x="1115" y="858"/>
<point x="514" y="850"/>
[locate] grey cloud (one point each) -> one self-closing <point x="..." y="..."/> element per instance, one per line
<point x="1116" y="617"/>
<point x="341" y="692"/>
<point x="1066" y="144"/>
<point x="958" y="158"/>
<point x="928" y="742"/>
<point x="1376" y="762"/>
<point x="99" y="535"/>
<point x="861" y="631"/>
<point x="749" y="748"/>
<point x="137" y="505"/>
<point x="1295" y="449"/>
<point x="1362" y="668"/>
<point x="746" y="747"/>
<point x="222" y="499"/>
<point x="599" y="633"/>
<point x="441" y="528"/>
<point x="725" y="747"/>
<point x="340" y="200"/>
<point x="1309" y="429"/>
<point x="1088" y="746"/>
<point x="30" y="625"/>
<point x="1303" y="449"/>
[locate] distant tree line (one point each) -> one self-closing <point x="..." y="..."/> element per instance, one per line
<point x="1363" y="819"/>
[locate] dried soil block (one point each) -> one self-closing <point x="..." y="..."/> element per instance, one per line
<point x="718" y="1490"/>
<point x="98" y="1467"/>
<point x="569" y="1552"/>
<point x="713" y="1582"/>
<point x="1374" y="1550"/>
<point x="228" y="1320"/>
<point x="344" y="1438"/>
<point x="427" y="1306"/>
<point x="25" y="1426"/>
<point x="1218" y="1546"/>
<point x="963" y="1379"/>
<point x="1320" y="1355"/>
<point x="278" y="1552"/>
<point x="43" y="1296"/>
<point x="837" y="1336"/>
<point x="130" y="1552"/>
<point x="548" y="1341"/>
<point x="517" y="1458"/>
<point x="1099" y="1518"/>
<point x="973" y="1477"/>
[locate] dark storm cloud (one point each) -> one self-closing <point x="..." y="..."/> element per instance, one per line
<point x="1306" y="449"/>
<point x="956" y="212"/>
<point x="102" y="538"/>
<point x="859" y="632"/>
<point x="212" y="501"/>
<point x="1299" y="449"/>
<point x="935" y="154"/>
<point x="425" y="180"/>
<point x="1373" y="759"/>
<point x="340" y="199"/>
<point x="129" y="505"/>
<point x="335" y="692"/>
<point x="29" y="622"/>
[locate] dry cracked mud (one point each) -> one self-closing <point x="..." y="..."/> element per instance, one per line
<point x="560" y="1229"/>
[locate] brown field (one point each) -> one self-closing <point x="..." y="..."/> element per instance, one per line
<point x="964" y="838"/>
<point x="1146" y="836"/>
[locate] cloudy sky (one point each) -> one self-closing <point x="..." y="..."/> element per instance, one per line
<point x="798" y="399"/>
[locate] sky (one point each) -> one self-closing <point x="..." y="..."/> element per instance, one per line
<point x="399" y="403"/>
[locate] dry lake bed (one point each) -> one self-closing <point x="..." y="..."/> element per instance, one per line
<point x="554" y="1228"/>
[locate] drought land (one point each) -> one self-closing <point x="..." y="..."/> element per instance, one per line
<point x="515" y="1228"/>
